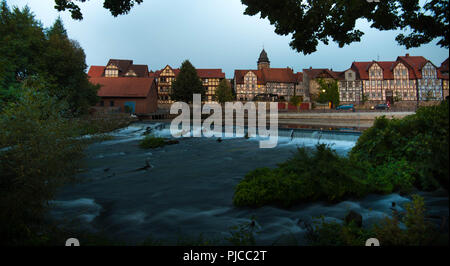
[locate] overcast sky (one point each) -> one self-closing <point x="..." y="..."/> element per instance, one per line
<point x="211" y="34"/>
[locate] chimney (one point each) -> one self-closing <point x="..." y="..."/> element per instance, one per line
<point x="310" y="68"/>
<point x="407" y="55"/>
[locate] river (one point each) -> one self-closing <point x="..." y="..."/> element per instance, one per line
<point x="188" y="190"/>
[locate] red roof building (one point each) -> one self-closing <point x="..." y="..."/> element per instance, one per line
<point x="125" y="86"/>
<point x="265" y="81"/>
<point x="409" y="78"/>
<point x="310" y="77"/>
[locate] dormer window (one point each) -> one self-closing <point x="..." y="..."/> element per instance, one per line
<point x="131" y="73"/>
<point x="350" y="75"/>
<point x="112" y="71"/>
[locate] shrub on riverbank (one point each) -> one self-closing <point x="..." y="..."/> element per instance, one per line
<point x="312" y="174"/>
<point x="419" y="141"/>
<point x="152" y="142"/>
<point x="38" y="154"/>
<point x="393" y="155"/>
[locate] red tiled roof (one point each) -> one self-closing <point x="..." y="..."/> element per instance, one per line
<point x="444" y="65"/>
<point x="315" y="72"/>
<point x="388" y="67"/>
<point x="282" y="75"/>
<point x="210" y="73"/>
<point x="140" y="70"/>
<point x="361" y="68"/>
<point x="123" y="86"/>
<point x="299" y="76"/>
<point x="415" y="63"/>
<point x="442" y="76"/>
<point x="96" y="71"/>
<point x="201" y="72"/>
<point x="123" y="65"/>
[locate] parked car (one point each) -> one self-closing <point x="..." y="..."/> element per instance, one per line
<point x="346" y="107"/>
<point x="381" y="106"/>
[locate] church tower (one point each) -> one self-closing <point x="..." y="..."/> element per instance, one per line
<point x="263" y="61"/>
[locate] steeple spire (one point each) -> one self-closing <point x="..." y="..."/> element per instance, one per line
<point x="263" y="61"/>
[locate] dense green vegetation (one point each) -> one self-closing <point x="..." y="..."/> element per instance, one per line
<point x="30" y="53"/>
<point x="44" y="94"/>
<point x="393" y="155"/>
<point x="296" y="100"/>
<point x="39" y="154"/>
<point x="417" y="144"/>
<point x="328" y="92"/>
<point x="312" y="174"/>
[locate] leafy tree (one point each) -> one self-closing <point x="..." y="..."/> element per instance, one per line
<point x="187" y="83"/>
<point x="319" y="20"/>
<point x="38" y="154"/>
<point x="65" y="66"/>
<point x="116" y="7"/>
<point x="223" y="92"/>
<point x="296" y="100"/>
<point x="22" y="42"/>
<point x="328" y="91"/>
<point x="27" y="50"/>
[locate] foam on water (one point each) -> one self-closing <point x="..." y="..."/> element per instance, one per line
<point x="84" y="209"/>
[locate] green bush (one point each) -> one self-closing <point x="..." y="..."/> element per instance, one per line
<point x="312" y="174"/>
<point x="39" y="153"/>
<point x="152" y="142"/>
<point x="296" y="100"/>
<point x="393" y="156"/>
<point x="335" y="234"/>
<point x="392" y="176"/>
<point x="419" y="140"/>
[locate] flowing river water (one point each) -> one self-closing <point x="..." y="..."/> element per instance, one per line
<point x="188" y="190"/>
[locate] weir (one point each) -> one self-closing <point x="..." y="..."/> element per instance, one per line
<point x="297" y="133"/>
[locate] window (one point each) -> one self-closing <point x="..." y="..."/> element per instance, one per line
<point x="102" y="103"/>
<point x="111" y="103"/>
